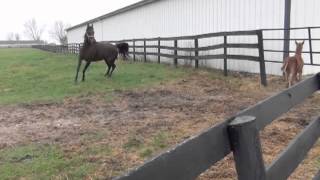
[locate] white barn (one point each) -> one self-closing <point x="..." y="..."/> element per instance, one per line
<point x="167" y="18"/>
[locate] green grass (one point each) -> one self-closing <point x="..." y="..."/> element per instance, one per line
<point x="159" y="141"/>
<point x="41" y="162"/>
<point x="29" y="75"/>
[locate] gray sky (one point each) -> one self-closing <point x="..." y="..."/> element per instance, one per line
<point x="14" y="13"/>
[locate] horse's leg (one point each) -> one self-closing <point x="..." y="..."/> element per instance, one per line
<point x="78" y="68"/>
<point x="113" y="67"/>
<point x="107" y="70"/>
<point x="84" y="70"/>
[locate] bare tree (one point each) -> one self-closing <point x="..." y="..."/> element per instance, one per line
<point x="17" y="36"/>
<point x="32" y="30"/>
<point x="10" y="36"/>
<point x="59" y="32"/>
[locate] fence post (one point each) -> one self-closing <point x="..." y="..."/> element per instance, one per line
<point x="145" y="50"/>
<point x="310" y="45"/>
<point x="225" y="53"/>
<point x="263" y="75"/>
<point x="159" y="43"/>
<point x="246" y="147"/>
<point x="175" y="60"/>
<point x="134" y="49"/>
<point x="79" y="47"/>
<point x="196" y="52"/>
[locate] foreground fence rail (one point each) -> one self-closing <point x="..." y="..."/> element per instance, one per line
<point x="189" y="159"/>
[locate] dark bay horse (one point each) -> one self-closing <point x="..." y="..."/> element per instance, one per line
<point x="93" y="51"/>
<point x="123" y="49"/>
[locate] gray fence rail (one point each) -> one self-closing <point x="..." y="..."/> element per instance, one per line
<point x="189" y="159"/>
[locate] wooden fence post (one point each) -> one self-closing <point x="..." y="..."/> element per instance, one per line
<point x="225" y="53"/>
<point x="145" y="50"/>
<point x="134" y="49"/>
<point x="175" y="60"/>
<point x="196" y="52"/>
<point x="246" y="147"/>
<point x="263" y="75"/>
<point x="310" y="45"/>
<point x="159" y="50"/>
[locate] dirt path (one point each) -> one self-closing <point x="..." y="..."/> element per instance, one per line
<point x="180" y="109"/>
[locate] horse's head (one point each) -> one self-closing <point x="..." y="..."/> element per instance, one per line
<point x="299" y="47"/>
<point x="89" y="35"/>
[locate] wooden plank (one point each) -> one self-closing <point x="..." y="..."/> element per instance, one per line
<point x="303" y="52"/>
<point x="246" y="147"/>
<point x="196" y="53"/>
<point x="268" y="110"/>
<point x="317" y="176"/>
<point x="187" y="160"/>
<point x="175" y="60"/>
<point x="263" y="75"/>
<point x="243" y="45"/>
<point x="225" y="53"/>
<point x="205" y="48"/>
<point x="310" y="45"/>
<point x="145" y="51"/>
<point x="159" y="49"/>
<point x="291" y="157"/>
<point x="242" y="57"/>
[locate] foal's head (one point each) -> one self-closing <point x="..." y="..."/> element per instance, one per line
<point x="89" y="35"/>
<point x="299" y="47"/>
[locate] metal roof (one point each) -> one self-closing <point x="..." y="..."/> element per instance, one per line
<point x="122" y="10"/>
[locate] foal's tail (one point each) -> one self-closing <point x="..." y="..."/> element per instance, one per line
<point x="123" y="49"/>
<point x="285" y="65"/>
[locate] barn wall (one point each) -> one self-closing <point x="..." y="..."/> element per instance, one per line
<point x="189" y="17"/>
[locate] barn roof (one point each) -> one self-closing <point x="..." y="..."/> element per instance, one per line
<point x="122" y="10"/>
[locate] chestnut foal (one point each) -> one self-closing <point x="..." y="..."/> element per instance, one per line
<point x="293" y="65"/>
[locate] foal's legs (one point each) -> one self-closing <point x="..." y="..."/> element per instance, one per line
<point x="85" y="69"/>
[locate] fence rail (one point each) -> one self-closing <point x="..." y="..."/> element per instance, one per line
<point x="192" y="157"/>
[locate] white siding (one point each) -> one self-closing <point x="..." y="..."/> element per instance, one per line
<point x="305" y="14"/>
<point x="189" y="17"/>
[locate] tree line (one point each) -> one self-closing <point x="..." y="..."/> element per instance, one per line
<point x="34" y="31"/>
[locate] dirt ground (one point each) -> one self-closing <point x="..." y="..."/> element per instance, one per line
<point x="181" y="108"/>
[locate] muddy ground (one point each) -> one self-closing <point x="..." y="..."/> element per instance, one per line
<point x="181" y="109"/>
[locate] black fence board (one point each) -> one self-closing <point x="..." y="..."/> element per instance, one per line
<point x="187" y="160"/>
<point x="317" y="176"/>
<point x="291" y="157"/>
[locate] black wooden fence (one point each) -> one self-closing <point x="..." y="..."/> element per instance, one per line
<point x="238" y="134"/>
<point x="306" y="35"/>
<point x="196" y="49"/>
<point x="258" y="45"/>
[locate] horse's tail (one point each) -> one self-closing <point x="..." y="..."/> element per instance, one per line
<point x="123" y="49"/>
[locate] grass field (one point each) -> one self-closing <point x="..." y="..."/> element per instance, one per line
<point x="29" y="75"/>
